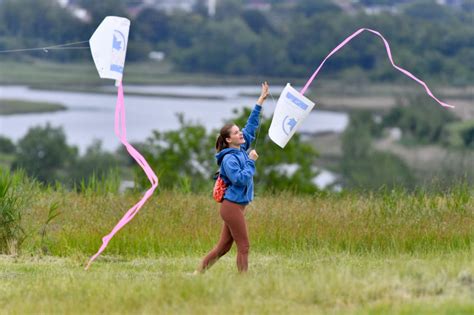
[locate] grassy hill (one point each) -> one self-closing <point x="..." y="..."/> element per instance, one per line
<point x="387" y="252"/>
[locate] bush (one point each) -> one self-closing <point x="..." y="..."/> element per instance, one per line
<point x="459" y="134"/>
<point x="93" y="168"/>
<point x="363" y="167"/>
<point x="44" y="154"/>
<point x="184" y="159"/>
<point x="421" y="120"/>
<point x="6" y="145"/>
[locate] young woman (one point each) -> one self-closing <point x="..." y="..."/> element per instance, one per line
<point x="236" y="169"/>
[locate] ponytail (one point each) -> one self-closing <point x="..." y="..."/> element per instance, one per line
<point x="221" y="143"/>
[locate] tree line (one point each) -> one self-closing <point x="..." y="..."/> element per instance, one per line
<point x="427" y="38"/>
<point x="184" y="159"/>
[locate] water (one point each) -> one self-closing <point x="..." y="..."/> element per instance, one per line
<point x="91" y="115"/>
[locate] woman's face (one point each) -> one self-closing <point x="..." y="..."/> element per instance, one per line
<point x="236" y="137"/>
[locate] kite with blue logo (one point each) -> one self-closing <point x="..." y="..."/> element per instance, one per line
<point x="294" y="104"/>
<point x="109" y="47"/>
<point x="291" y="109"/>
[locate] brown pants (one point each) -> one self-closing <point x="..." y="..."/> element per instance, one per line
<point x="234" y="229"/>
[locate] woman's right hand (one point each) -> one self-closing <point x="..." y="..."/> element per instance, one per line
<point x="253" y="155"/>
<point x="264" y="94"/>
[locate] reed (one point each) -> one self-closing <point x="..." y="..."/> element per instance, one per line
<point x="174" y="222"/>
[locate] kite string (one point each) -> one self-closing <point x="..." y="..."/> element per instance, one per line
<point x="389" y="53"/>
<point x="46" y="48"/>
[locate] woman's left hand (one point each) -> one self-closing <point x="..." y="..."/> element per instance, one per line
<point x="264" y="94"/>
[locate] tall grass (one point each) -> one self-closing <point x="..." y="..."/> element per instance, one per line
<point x="386" y="252"/>
<point x="108" y="183"/>
<point x="12" y="233"/>
<point x="172" y="222"/>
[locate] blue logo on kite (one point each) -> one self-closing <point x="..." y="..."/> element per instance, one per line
<point x="289" y="124"/>
<point x="296" y="101"/>
<point x="118" y="45"/>
<point x="118" y="42"/>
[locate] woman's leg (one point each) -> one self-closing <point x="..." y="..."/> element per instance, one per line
<point x="222" y="247"/>
<point x="233" y="216"/>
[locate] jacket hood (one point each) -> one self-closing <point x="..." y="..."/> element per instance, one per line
<point x="221" y="154"/>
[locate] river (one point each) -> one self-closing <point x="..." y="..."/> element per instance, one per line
<point x="91" y="115"/>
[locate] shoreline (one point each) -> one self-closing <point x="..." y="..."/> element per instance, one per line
<point x="10" y="107"/>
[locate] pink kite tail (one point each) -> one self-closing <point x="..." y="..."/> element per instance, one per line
<point x="389" y="53"/>
<point x="121" y="132"/>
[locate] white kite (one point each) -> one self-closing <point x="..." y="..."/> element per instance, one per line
<point x="293" y="107"/>
<point x="108" y="47"/>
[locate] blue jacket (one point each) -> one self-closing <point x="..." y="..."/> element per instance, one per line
<point x="236" y="168"/>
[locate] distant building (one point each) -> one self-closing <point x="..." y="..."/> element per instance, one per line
<point x="77" y="11"/>
<point x="453" y="3"/>
<point x="172" y="5"/>
<point x="260" y="5"/>
<point x="169" y="6"/>
<point x="377" y="9"/>
<point x="211" y="7"/>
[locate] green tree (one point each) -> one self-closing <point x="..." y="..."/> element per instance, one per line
<point x="38" y="19"/>
<point x="468" y="6"/>
<point x="218" y="50"/>
<point x="95" y="163"/>
<point x="27" y="23"/>
<point x="459" y="134"/>
<point x="184" y="30"/>
<point x="100" y="9"/>
<point x="273" y="161"/>
<point x="311" y="7"/>
<point x="429" y="10"/>
<point x="420" y="119"/>
<point x="185" y="159"/>
<point x="382" y="2"/>
<point x="357" y="138"/>
<point x="271" y="56"/>
<point x="44" y="154"/>
<point x="292" y="38"/>
<point x="6" y="145"/>
<point x="363" y="167"/>
<point x="200" y="7"/>
<point x="182" y="158"/>
<point x="152" y="26"/>
<point x="229" y="9"/>
<point x="258" y="22"/>
<point x="468" y="137"/>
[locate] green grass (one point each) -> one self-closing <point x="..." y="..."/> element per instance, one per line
<point x="11" y="107"/>
<point x="300" y="283"/>
<point x="6" y="160"/>
<point x="177" y="223"/>
<point x="335" y="94"/>
<point x="75" y="75"/>
<point x="389" y="252"/>
<point x="59" y="75"/>
<point x="100" y="90"/>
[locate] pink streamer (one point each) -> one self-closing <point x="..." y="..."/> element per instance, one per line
<point x="387" y="47"/>
<point x="121" y="132"/>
